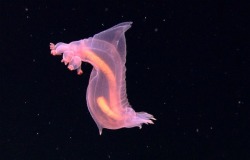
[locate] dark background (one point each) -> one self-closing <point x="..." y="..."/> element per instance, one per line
<point x="187" y="64"/>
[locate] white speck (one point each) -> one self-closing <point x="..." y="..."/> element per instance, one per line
<point x="70" y="137"/>
<point x="49" y="123"/>
<point x="26" y="9"/>
<point x="164" y="20"/>
<point x="34" y="60"/>
<point x="156" y="29"/>
<point x="145" y="17"/>
<point x="240" y="102"/>
<point x="211" y="127"/>
<point x="27" y="17"/>
<point x="38" y="114"/>
<point x="197" y="130"/>
<point x="37" y="133"/>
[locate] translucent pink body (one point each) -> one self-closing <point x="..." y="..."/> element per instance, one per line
<point x="106" y="94"/>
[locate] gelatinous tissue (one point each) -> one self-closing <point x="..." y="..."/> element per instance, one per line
<point x="106" y="94"/>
